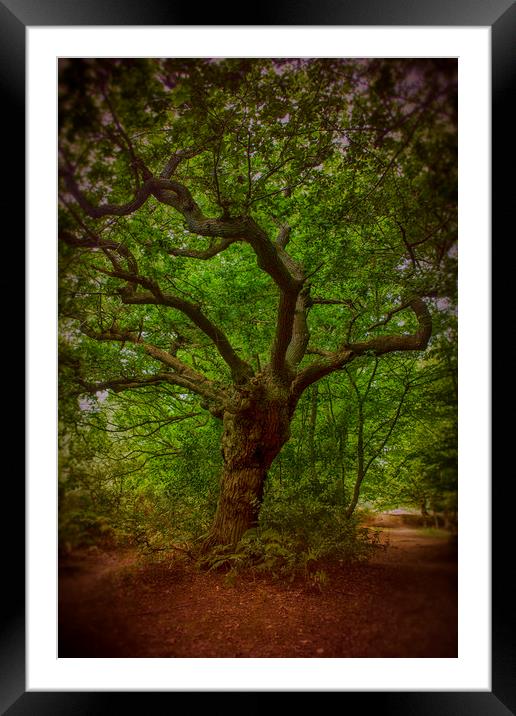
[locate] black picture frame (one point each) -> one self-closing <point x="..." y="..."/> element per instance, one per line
<point x="500" y="16"/>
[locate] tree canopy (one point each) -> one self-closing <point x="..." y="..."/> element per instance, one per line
<point x="230" y="224"/>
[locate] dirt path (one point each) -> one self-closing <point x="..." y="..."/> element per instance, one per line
<point x="401" y="604"/>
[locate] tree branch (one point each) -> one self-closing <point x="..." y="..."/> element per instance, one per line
<point x="117" y="385"/>
<point x="92" y="241"/>
<point x="388" y="316"/>
<point x="240" y="369"/>
<point x="271" y="258"/>
<point x="183" y="375"/>
<point x="319" y="369"/>
<point x="413" y="342"/>
<point x="333" y="302"/>
<point x="214" y="249"/>
<point x="176" y="159"/>
<point x="177" y="195"/>
<point x="393" y="421"/>
<point x="97" y="212"/>
<point x="407" y="244"/>
<point x="300" y="333"/>
<point x="151" y="185"/>
<point x="375" y="346"/>
<point x="137" y="164"/>
<point x="291" y="336"/>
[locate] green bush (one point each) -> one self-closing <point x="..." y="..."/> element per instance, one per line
<point x="295" y="538"/>
<point x="320" y="526"/>
<point x="145" y="518"/>
<point x="81" y="525"/>
<point x="154" y="521"/>
<point x="298" y="533"/>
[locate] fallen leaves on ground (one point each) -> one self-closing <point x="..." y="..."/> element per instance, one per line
<point x="403" y="603"/>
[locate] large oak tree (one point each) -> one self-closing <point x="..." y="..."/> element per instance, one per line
<point x="239" y="229"/>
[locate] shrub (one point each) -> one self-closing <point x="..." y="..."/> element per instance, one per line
<point x="295" y="539"/>
<point x="81" y="525"/>
<point x="145" y="518"/>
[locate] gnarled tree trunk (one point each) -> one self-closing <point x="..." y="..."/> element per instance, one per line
<point x="251" y="439"/>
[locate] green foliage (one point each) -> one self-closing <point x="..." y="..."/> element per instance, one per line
<point x="319" y="529"/>
<point x="296" y="539"/>
<point x="359" y="157"/>
<point x="149" y="520"/>
<point x="303" y="141"/>
<point x="81" y="525"/>
<point x="436" y="532"/>
<point x="124" y="481"/>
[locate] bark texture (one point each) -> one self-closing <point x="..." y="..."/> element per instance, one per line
<point x="252" y="437"/>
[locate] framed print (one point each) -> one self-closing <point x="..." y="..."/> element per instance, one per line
<point x="35" y="678"/>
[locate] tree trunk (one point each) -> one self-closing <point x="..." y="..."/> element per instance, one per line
<point x="314" y="481"/>
<point x="361" y="467"/>
<point x="340" y="436"/>
<point x="424" y="512"/>
<point x="239" y="503"/>
<point x="251" y="440"/>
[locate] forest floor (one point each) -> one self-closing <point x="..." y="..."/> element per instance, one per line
<point x="402" y="603"/>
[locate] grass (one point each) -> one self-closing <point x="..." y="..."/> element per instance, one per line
<point x="435" y="532"/>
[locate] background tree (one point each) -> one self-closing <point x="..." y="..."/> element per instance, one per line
<point x="421" y="469"/>
<point x="233" y="231"/>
